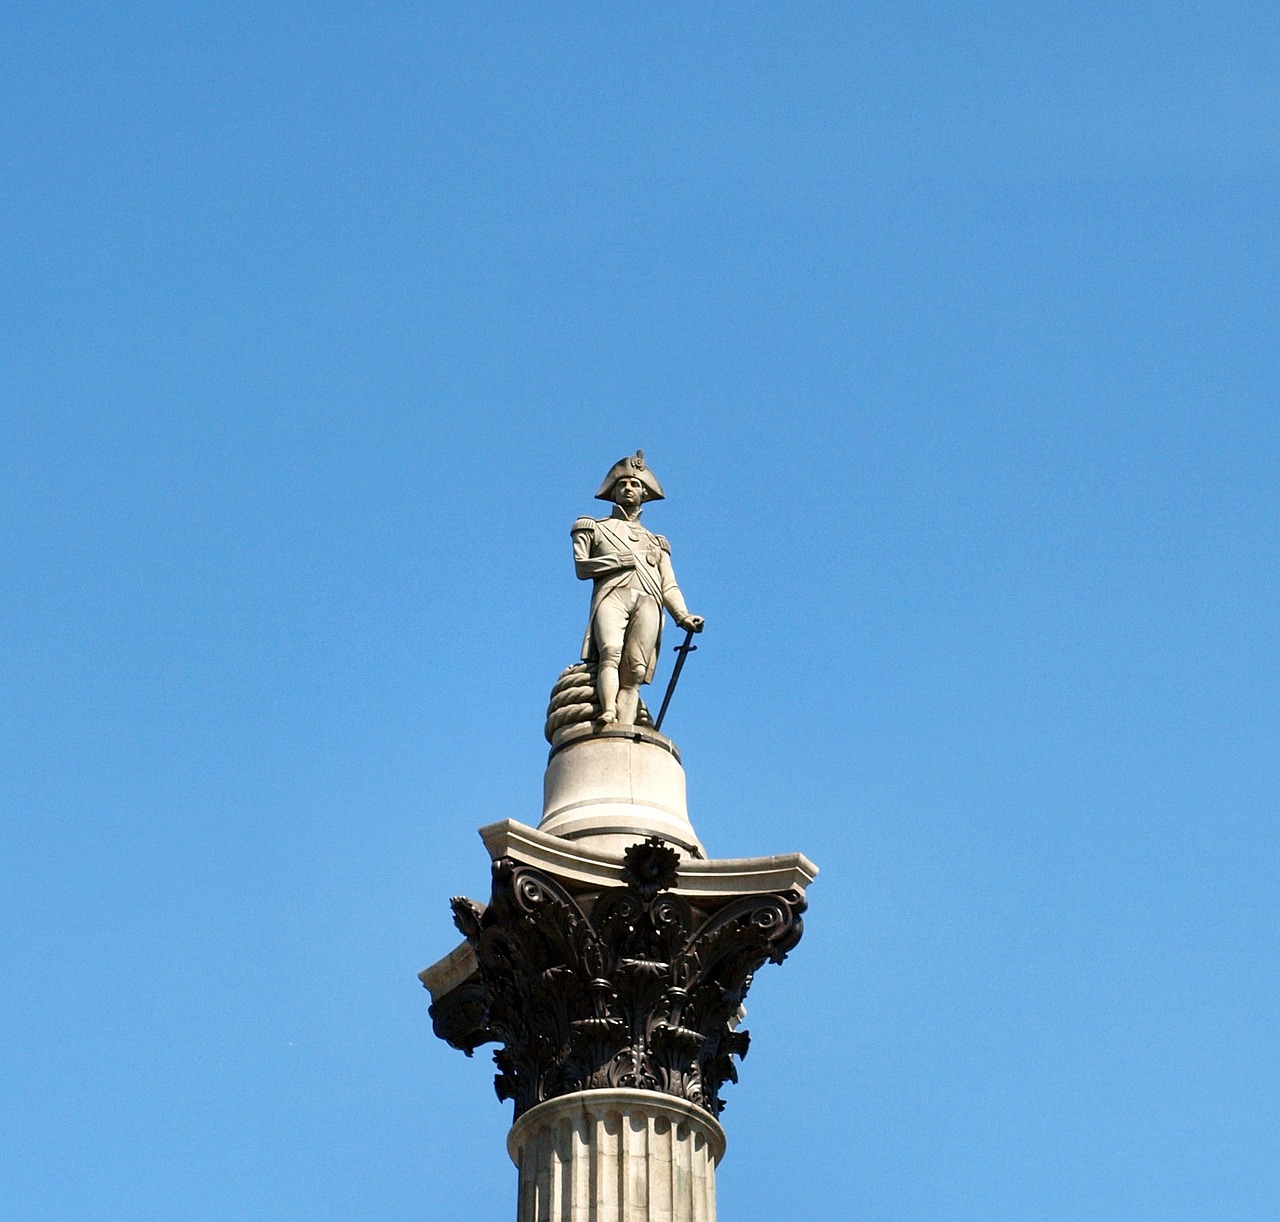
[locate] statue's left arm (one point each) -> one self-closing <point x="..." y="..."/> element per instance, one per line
<point x="672" y="599"/>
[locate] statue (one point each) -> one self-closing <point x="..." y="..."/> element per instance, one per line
<point x="633" y="579"/>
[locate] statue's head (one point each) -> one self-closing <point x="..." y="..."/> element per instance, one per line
<point x="624" y="474"/>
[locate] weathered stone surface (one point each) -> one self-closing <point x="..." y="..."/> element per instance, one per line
<point x="611" y="789"/>
<point x="458" y="966"/>
<point x="581" y="866"/>
<point x="616" y="1156"/>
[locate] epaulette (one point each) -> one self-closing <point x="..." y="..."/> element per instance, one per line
<point x="582" y="524"/>
<point x="662" y="543"/>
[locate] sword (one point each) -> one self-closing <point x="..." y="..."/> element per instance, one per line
<point x="684" y="651"/>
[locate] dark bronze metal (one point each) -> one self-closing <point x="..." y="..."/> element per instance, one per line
<point x="633" y="987"/>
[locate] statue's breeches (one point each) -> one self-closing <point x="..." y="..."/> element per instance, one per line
<point x="626" y="628"/>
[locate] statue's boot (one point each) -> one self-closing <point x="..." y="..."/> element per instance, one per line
<point x="607" y="686"/>
<point x="628" y="703"/>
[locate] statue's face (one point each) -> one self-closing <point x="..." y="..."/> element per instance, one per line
<point x="628" y="492"/>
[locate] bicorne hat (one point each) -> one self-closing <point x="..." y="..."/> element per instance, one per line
<point x="633" y="466"/>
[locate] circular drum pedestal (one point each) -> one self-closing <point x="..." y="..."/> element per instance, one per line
<point x="616" y="1156"/>
<point x="612" y="788"/>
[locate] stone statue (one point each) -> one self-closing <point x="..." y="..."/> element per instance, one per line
<point x="633" y="579"/>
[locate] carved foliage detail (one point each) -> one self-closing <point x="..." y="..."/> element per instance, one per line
<point x="641" y="991"/>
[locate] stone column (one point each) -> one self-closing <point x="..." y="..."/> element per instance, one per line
<point x="609" y="966"/>
<point x="616" y="1156"/>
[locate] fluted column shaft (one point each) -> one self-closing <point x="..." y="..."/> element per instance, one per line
<point x="616" y="1156"/>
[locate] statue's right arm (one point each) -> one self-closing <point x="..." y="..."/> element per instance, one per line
<point x="587" y="566"/>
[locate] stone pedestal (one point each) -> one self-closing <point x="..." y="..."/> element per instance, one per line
<point x="616" y="1156"/>
<point x="611" y="789"/>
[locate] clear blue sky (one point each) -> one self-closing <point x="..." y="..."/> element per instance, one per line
<point x="952" y="332"/>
